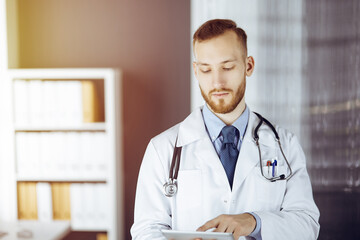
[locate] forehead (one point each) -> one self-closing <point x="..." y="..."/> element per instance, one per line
<point x="219" y="49"/>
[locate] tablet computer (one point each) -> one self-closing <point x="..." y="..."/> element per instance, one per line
<point x="190" y="235"/>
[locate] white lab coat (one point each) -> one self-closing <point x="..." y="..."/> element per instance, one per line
<point x="286" y="208"/>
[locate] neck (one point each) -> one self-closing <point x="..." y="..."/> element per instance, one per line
<point x="230" y="118"/>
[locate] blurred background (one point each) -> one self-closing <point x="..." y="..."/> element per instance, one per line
<point x="306" y="79"/>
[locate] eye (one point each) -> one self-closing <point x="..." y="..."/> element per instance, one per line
<point x="205" y="70"/>
<point x="228" y="68"/>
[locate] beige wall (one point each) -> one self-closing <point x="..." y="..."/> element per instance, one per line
<point x="148" y="40"/>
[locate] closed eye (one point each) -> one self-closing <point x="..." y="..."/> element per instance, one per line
<point x="228" y="69"/>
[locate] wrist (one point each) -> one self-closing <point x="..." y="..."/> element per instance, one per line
<point x="256" y="233"/>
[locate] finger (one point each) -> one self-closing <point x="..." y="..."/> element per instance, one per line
<point x="241" y="231"/>
<point x="209" y="224"/>
<point x="222" y="226"/>
<point x="223" y="223"/>
<point x="231" y="228"/>
<point x="237" y="233"/>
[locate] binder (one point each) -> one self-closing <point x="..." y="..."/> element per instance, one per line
<point x="21" y="153"/>
<point x="35" y="103"/>
<point x="101" y="236"/>
<point x="77" y="206"/>
<point x="21" y="202"/>
<point x="87" y="150"/>
<point x="21" y="102"/>
<point x="49" y="103"/>
<point x="102" y="206"/>
<point x="93" y="101"/>
<point x="66" y="206"/>
<point x="89" y="205"/>
<point x="44" y="203"/>
<point x="101" y="156"/>
<point x="72" y="153"/>
<point x="74" y="101"/>
<point x="27" y="201"/>
<point x="33" y="153"/>
<point x="61" y="201"/>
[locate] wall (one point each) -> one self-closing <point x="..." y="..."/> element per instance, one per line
<point x="148" y="40"/>
<point x="333" y="93"/>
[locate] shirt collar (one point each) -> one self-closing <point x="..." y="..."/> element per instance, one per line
<point x="214" y="125"/>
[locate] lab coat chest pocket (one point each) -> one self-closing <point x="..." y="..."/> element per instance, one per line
<point x="189" y="199"/>
<point x="270" y="193"/>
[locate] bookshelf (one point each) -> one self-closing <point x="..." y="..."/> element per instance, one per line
<point x="64" y="156"/>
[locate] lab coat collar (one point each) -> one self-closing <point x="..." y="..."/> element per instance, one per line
<point x="192" y="128"/>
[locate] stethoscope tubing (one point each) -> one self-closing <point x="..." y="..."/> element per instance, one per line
<point x="175" y="163"/>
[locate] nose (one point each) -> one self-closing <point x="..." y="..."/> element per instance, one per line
<point x="218" y="80"/>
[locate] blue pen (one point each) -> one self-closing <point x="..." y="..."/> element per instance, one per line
<point x="273" y="168"/>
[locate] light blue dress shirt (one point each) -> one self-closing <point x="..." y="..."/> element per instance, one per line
<point x="214" y="125"/>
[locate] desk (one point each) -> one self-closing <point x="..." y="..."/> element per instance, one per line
<point x="34" y="230"/>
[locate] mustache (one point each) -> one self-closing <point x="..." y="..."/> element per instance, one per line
<point x="220" y="90"/>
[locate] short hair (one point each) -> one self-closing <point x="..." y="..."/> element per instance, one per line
<point x="216" y="27"/>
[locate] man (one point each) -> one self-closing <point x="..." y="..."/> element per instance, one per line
<point x="221" y="181"/>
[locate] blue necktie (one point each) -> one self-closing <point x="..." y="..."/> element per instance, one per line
<point x="228" y="151"/>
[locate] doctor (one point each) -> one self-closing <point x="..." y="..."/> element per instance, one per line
<point x="220" y="182"/>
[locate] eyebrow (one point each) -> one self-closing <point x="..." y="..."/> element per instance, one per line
<point x="223" y="62"/>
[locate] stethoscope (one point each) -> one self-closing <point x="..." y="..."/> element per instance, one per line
<point x="171" y="187"/>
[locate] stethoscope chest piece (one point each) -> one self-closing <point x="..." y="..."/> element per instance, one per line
<point x="170" y="188"/>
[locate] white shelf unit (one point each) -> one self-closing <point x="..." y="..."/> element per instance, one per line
<point x="85" y="127"/>
<point x="111" y="131"/>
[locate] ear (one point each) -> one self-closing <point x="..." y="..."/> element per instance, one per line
<point x="195" y="69"/>
<point x="250" y="65"/>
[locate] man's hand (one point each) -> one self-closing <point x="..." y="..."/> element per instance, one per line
<point x="238" y="225"/>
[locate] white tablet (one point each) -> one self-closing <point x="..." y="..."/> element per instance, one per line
<point x="190" y="235"/>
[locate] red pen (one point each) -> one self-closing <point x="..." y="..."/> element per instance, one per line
<point x="268" y="164"/>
